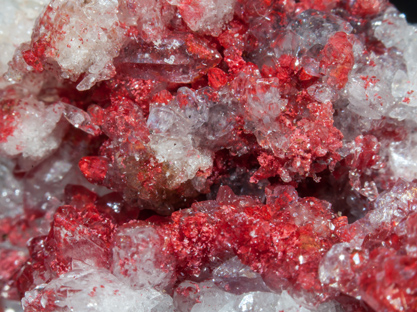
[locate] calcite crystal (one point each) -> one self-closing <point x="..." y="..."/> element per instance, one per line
<point x="213" y="155"/>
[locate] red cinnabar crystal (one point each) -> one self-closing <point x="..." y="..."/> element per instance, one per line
<point x="211" y="155"/>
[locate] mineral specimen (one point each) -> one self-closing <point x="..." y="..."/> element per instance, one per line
<point x="213" y="155"/>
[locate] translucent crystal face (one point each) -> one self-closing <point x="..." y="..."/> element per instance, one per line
<point x="213" y="155"/>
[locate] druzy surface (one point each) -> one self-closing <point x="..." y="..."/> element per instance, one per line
<point x="213" y="155"/>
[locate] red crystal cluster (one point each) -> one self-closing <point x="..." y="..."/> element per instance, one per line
<point x="181" y="151"/>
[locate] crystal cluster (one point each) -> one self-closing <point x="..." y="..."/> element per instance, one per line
<point x="207" y="155"/>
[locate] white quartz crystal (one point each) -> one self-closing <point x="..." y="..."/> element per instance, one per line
<point x="207" y="297"/>
<point x="335" y="266"/>
<point x="82" y="37"/>
<point x="394" y="205"/>
<point x="173" y="137"/>
<point x="91" y="290"/>
<point x="183" y="158"/>
<point x="150" y="16"/>
<point x="235" y="277"/>
<point x="208" y="16"/>
<point x="387" y="85"/>
<point x="309" y="29"/>
<point x="37" y="132"/>
<point x="369" y="94"/>
<point x="137" y="258"/>
<point x="403" y="158"/>
<point x="17" y="18"/>
<point x="264" y="102"/>
<point x="89" y="38"/>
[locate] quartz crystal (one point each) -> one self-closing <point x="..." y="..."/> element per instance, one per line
<point x="207" y="155"/>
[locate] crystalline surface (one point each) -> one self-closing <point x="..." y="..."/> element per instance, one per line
<point x="180" y="59"/>
<point x="402" y="158"/>
<point x="393" y="31"/>
<point x="137" y="258"/>
<point x="173" y="135"/>
<point x="93" y="290"/>
<point x="234" y="276"/>
<point x="17" y="18"/>
<point x="198" y="297"/>
<point x="213" y="155"/>
<point x="38" y="137"/>
<point x="380" y="240"/>
<point x="208" y="16"/>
